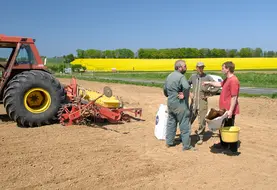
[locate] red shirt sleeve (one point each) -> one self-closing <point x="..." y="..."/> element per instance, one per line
<point x="234" y="85"/>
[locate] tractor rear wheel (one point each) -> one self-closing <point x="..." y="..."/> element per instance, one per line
<point x="33" y="98"/>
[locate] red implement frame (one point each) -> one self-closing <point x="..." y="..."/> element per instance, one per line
<point x="72" y="90"/>
<point x="73" y="113"/>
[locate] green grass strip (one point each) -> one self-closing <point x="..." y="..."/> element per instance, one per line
<point x="273" y="96"/>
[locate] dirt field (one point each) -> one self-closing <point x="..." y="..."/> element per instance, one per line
<point x="75" y="157"/>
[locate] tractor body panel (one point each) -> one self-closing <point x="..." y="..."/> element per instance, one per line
<point x="23" y="56"/>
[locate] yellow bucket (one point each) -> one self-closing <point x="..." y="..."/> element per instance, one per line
<point x="229" y="134"/>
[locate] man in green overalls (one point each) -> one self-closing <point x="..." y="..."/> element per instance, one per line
<point x="176" y="89"/>
<point x="199" y="99"/>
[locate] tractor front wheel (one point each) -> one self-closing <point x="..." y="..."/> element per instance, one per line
<point x="33" y="98"/>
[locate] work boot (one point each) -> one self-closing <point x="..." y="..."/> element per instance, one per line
<point x="200" y="142"/>
<point x="217" y="146"/>
<point x="200" y="139"/>
<point x="191" y="148"/>
<point x="169" y="145"/>
<point x="220" y="146"/>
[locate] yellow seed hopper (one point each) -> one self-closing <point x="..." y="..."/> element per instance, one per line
<point x="109" y="102"/>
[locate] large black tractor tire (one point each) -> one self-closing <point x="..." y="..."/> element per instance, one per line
<point x="33" y="98"/>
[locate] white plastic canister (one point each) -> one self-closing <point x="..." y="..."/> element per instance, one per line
<point x="161" y="122"/>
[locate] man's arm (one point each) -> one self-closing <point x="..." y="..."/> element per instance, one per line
<point x="212" y="90"/>
<point x="232" y="107"/>
<point x="185" y="88"/>
<point x="213" y="83"/>
<point x="234" y="93"/>
<point x="185" y="84"/>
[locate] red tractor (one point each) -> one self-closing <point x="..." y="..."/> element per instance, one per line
<point x="32" y="96"/>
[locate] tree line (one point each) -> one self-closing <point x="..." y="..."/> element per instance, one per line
<point x="94" y="53"/>
<point x="171" y="53"/>
<point x="203" y="53"/>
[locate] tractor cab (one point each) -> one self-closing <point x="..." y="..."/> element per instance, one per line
<point x="23" y="58"/>
<point x="17" y="54"/>
<point x="20" y="53"/>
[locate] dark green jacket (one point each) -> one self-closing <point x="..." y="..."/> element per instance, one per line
<point x="176" y="82"/>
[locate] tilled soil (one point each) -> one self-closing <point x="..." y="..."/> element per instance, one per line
<point x="130" y="157"/>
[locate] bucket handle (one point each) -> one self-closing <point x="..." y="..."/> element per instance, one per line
<point x="223" y="121"/>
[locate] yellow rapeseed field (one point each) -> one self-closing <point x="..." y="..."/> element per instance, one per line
<point x="168" y="64"/>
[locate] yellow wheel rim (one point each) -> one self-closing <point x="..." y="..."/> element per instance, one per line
<point x="37" y="100"/>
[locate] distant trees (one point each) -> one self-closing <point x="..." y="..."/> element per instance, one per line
<point x="94" y="53"/>
<point x="68" y="58"/>
<point x="174" y="53"/>
<point x="202" y="53"/>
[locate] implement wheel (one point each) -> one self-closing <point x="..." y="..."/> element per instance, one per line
<point x="33" y="98"/>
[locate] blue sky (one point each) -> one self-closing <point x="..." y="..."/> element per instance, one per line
<point x="60" y="27"/>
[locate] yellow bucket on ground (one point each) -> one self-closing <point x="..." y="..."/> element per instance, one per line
<point x="229" y="134"/>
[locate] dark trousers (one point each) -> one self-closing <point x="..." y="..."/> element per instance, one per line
<point x="232" y="146"/>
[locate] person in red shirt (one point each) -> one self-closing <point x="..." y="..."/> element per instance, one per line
<point x="228" y="98"/>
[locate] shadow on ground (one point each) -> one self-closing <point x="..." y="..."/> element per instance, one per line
<point x="5" y="118"/>
<point x="206" y="137"/>
<point x="195" y="138"/>
<point x="227" y="152"/>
